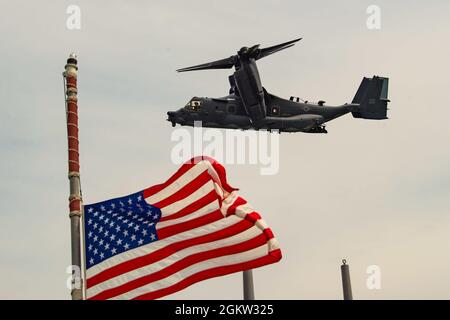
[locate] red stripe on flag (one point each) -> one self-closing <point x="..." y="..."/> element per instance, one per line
<point x="268" y="233"/>
<point x="154" y="189"/>
<point x="185" y="191"/>
<point x="232" y="209"/>
<point x="200" y="203"/>
<point x="184" y="168"/>
<point x="253" y="217"/>
<point x="188" y="225"/>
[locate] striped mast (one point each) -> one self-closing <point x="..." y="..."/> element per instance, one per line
<point x="75" y="200"/>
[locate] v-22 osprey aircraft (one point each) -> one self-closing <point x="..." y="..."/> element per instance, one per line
<point x="249" y="106"/>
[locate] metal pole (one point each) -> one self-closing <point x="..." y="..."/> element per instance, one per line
<point x="249" y="292"/>
<point x="346" y="285"/>
<point x="75" y="200"/>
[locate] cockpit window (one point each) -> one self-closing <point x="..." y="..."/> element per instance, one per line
<point x="193" y="105"/>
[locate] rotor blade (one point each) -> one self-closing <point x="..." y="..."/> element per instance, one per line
<point x="219" y="64"/>
<point x="269" y="50"/>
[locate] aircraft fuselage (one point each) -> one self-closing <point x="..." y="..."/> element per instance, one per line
<point x="282" y="114"/>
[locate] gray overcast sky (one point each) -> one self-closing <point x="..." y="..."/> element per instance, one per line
<point x="374" y="192"/>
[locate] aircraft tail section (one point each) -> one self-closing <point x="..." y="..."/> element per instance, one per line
<point x="372" y="97"/>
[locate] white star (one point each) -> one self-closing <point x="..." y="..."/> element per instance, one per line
<point x="153" y="236"/>
<point x="95" y="251"/>
<point x="136" y="228"/>
<point x="113" y="251"/>
<point x="106" y="246"/>
<point x="112" y="237"/>
<point x="100" y="229"/>
<point x="139" y="198"/>
<point x="125" y="233"/>
<point x="113" y="205"/>
<point x="90" y="234"/>
<point x="106" y="233"/>
<point x="95" y="239"/>
<point x="140" y="241"/>
<point x="135" y="216"/>
<point x="126" y="246"/>
<point x="119" y="242"/>
<point x="130" y="201"/>
<point x="103" y="208"/>
<point x="133" y="237"/>
<point x="117" y="229"/>
<point x="121" y="204"/>
<point x="130" y="224"/>
<point x="91" y="261"/>
<point x="90" y="247"/>
<point x="95" y="225"/>
<point x="144" y="232"/>
<point x="89" y="221"/>
<point x="90" y="210"/>
<point x="101" y="242"/>
<point x="155" y="217"/>
<point x="102" y="255"/>
<point x="111" y="224"/>
<point x="101" y="217"/>
<point x="95" y="213"/>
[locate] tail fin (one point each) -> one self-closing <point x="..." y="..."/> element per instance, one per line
<point x="372" y="98"/>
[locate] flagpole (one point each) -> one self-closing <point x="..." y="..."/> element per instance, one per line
<point x="249" y="292"/>
<point x="75" y="200"/>
<point x="346" y="284"/>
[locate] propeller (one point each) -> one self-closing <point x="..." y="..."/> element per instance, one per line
<point x="244" y="53"/>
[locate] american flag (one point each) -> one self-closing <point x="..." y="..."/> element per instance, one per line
<point x="167" y="237"/>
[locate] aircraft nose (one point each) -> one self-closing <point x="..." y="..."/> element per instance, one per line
<point x="171" y="116"/>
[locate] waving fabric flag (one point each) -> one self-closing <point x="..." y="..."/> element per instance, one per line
<point x="165" y="238"/>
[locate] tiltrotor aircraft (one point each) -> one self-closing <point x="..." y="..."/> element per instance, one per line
<point x="250" y="106"/>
